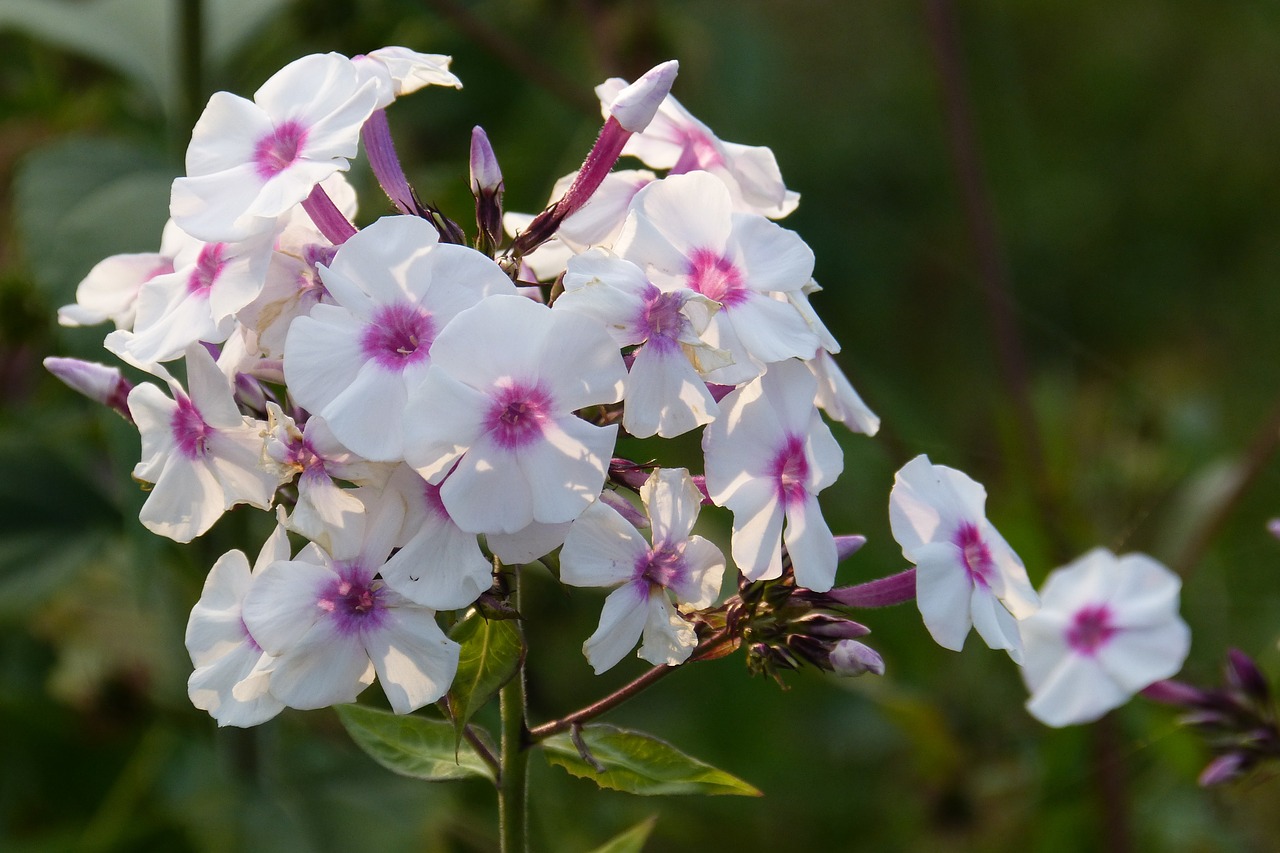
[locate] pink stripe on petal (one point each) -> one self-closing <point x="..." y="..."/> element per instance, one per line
<point x="190" y="432"/>
<point x="209" y="265"/>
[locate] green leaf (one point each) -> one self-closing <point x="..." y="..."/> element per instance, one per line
<point x="640" y="764"/>
<point x="136" y="37"/>
<point x="491" y="653"/>
<point x="631" y="841"/>
<point x="411" y="745"/>
<point x="80" y="200"/>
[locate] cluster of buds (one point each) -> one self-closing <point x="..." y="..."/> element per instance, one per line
<point x="1237" y="720"/>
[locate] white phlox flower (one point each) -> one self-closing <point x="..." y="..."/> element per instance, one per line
<point x="1107" y="627"/>
<point x="202" y="455"/>
<point x="768" y="455"/>
<point x="966" y="574"/>
<point x="678" y="142"/>
<point x="396" y="287"/>
<point x="493" y="417"/>
<point x="604" y="549"/>
<point x="331" y="624"/>
<point x="231" y="679"/>
<point x="249" y="162"/>
<point x="439" y="565"/>
<point x="666" y="395"/>
<point x="198" y="301"/>
<point x="683" y="233"/>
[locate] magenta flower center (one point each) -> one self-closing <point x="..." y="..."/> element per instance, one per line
<point x="190" y="432"/>
<point x="398" y="336"/>
<point x="209" y="266"/>
<point x="661" y="321"/>
<point x="353" y="600"/>
<point x="517" y="415"/>
<point x="1090" y="629"/>
<point x="279" y="149"/>
<point x="661" y="567"/>
<point x="431" y="497"/>
<point x="974" y="554"/>
<point x="716" y="277"/>
<point x="790" y="471"/>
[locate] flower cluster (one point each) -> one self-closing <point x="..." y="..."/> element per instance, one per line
<point x="421" y="409"/>
<point x="418" y="408"/>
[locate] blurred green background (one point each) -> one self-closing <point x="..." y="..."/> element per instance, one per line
<point x="1129" y="184"/>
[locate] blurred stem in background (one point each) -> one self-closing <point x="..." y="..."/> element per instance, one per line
<point x="191" y="96"/>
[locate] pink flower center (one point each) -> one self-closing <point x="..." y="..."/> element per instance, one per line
<point x="790" y="471"/>
<point x="209" y="266"/>
<point x="398" y="336"/>
<point x="517" y="415"/>
<point x="661" y="567"/>
<point x="660" y="319"/>
<point x="716" y="277"/>
<point x="974" y="554"/>
<point x="354" y="600"/>
<point x="1090" y="629"/>
<point x="279" y="149"/>
<point x="190" y="432"/>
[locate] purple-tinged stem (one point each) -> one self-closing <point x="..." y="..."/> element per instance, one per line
<point x="385" y="163"/>
<point x="895" y="589"/>
<point x="326" y="216"/>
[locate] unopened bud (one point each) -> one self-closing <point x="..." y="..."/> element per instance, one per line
<point x="98" y="382"/>
<point x="1243" y="674"/>
<point x="486" y="176"/>
<point x="828" y="625"/>
<point x="847" y="546"/>
<point x="1224" y="768"/>
<point x="624" y="508"/>
<point x="636" y="105"/>
<point x="851" y="658"/>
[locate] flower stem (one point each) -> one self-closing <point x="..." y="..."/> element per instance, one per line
<point x="513" y="781"/>
<point x="622" y="694"/>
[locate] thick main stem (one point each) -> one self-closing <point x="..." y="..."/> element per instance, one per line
<point x="513" y="782"/>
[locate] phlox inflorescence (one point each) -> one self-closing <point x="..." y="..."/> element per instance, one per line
<point x="419" y="412"/>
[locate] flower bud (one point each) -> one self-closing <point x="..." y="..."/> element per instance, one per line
<point x="851" y="658"/>
<point x="636" y="105"/>
<point x="848" y="545"/>
<point x="102" y="384"/>
<point x="1243" y="675"/>
<point x="1224" y="768"/>
<point x="828" y="625"/>
<point x="486" y="176"/>
<point x="625" y="508"/>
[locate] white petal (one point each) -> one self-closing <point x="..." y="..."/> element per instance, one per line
<point x="415" y="661"/>
<point x="668" y="639"/>
<point x="621" y="621"/>
<point x="601" y="548"/>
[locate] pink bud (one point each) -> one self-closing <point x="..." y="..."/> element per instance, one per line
<point x="486" y="177"/>
<point x="851" y="658"/>
<point x="102" y="384"/>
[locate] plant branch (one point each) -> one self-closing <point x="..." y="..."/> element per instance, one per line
<point x="625" y="692"/>
<point x="513" y="779"/>
<point x="470" y="736"/>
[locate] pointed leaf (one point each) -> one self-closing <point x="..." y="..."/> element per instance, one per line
<point x="631" y="841"/>
<point x="411" y="745"/>
<point x="491" y="653"/>
<point x="640" y="764"/>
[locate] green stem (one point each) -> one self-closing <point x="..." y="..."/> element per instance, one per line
<point x="513" y="783"/>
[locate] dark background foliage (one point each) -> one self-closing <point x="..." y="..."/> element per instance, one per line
<point x="1104" y="177"/>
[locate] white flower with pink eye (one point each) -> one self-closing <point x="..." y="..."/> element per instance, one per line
<point x="110" y="290"/>
<point x="494" y="415"/>
<point x="768" y="455"/>
<point x="395" y="287"/>
<point x="678" y="142"/>
<point x="331" y="623"/>
<point x="666" y="395"/>
<point x="249" y="162"/>
<point x="683" y="233"/>
<point x="1107" y="627"/>
<point x="202" y="455"/>
<point x="966" y="574"/>
<point x="604" y="549"/>
<point x="231" y="679"/>
<point x="198" y="301"/>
